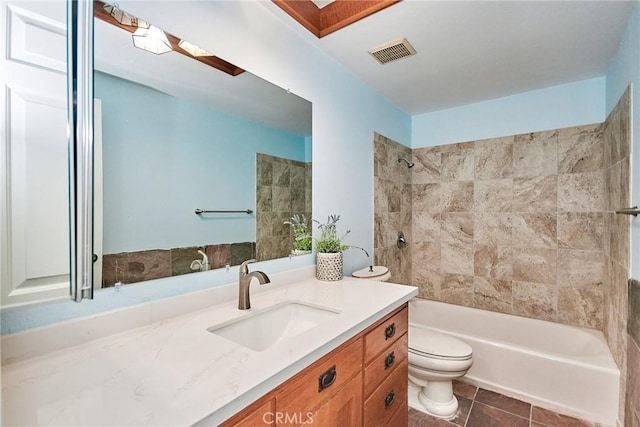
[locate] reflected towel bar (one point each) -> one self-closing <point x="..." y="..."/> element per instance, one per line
<point x="247" y="211"/>
<point x="629" y="211"/>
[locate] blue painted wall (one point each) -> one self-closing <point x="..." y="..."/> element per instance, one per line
<point x="164" y="157"/>
<point x="346" y="113"/>
<point x="625" y="70"/>
<point x="572" y="104"/>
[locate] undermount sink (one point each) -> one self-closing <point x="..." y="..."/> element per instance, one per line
<point x="262" y="329"/>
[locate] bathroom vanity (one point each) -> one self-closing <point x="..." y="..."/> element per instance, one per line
<point x="363" y="380"/>
<point x="182" y="370"/>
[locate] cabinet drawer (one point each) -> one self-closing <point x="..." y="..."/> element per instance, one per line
<point x="390" y="397"/>
<point x="382" y="365"/>
<point x="387" y="332"/>
<point x="309" y="389"/>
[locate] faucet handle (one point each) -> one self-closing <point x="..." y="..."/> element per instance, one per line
<point x="244" y="267"/>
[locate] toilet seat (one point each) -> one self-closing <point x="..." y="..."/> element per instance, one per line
<point x="431" y="344"/>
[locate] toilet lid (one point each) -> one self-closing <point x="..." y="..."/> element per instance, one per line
<point x="378" y="270"/>
<point x="434" y="344"/>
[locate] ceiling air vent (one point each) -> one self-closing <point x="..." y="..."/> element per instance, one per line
<point x="393" y="51"/>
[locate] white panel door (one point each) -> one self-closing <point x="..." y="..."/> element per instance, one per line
<point x="35" y="213"/>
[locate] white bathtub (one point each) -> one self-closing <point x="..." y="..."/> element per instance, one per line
<point x="564" y="368"/>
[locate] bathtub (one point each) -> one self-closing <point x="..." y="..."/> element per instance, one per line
<point x="563" y="368"/>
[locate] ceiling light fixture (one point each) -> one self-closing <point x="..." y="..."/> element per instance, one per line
<point x="152" y="39"/>
<point x="123" y="17"/>
<point x="193" y="49"/>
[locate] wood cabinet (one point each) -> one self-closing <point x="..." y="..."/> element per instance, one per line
<point x="259" y="413"/>
<point x="361" y="383"/>
<point x="386" y="371"/>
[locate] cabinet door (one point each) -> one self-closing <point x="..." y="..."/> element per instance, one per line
<point x="259" y="414"/>
<point x="343" y="409"/>
<point x="34" y="196"/>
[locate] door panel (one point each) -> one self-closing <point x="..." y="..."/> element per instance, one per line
<point x="35" y="213"/>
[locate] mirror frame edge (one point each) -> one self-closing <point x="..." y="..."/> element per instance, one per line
<point x="80" y="133"/>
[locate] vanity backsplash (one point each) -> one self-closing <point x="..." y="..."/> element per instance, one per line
<point x="132" y="267"/>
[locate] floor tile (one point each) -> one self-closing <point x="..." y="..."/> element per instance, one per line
<point x="489" y="409"/>
<point x="548" y="418"/>
<point x="464" y="407"/>
<point x="420" y="419"/>
<point x="503" y="402"/>
<point x="464" y="389"/>
<point x="487" y="416"/>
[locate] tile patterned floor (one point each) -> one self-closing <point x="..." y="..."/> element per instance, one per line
<point x="483" y="408"/>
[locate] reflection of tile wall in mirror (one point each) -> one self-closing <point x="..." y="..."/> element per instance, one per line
<point x="140" y="266"/>
<point x="283" y="188"/>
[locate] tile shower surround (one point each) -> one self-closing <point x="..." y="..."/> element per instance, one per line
<point x="132" y="267"/>
<point x="619" y="311"/>
<point x="526" y="225"/>
<point x="512" y="224"/>
<point x="392" y="207"/>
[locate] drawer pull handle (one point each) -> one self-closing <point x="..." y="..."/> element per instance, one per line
<point x="327" y="378"/>
<point x="390" y="331"/>
<point x="391" y="397"/>
<point x="390" y="359"/>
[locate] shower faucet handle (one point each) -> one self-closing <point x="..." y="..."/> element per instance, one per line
<point x="401" y="242"/>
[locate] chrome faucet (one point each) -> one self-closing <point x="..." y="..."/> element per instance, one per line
<point x="244" y="302"/>
<point x="201" y="265"/>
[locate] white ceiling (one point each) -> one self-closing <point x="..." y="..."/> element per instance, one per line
<point x="471" y="51"/>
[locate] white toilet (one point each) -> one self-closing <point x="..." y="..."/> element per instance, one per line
<point x="435" y="360"/>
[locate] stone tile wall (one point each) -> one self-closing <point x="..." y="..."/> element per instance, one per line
<point x="617" y="143"/>
<point x="133" y="267"/>
<point x="524" y="225"/>
<point x="513" y="224"/>
<point x="283" y="188"/>
<point x="392" y="207"/>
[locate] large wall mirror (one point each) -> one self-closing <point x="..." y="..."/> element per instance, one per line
<point x="177" y="135"/>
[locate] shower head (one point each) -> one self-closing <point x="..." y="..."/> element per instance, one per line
<point x="409" y="164"/>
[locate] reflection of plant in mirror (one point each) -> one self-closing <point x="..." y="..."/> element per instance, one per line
<point x="329" y="242"/>
<point x="301" y="235"/>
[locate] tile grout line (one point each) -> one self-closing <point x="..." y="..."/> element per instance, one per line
<point x="470" y="409"/>
<point x="473" y="401"/>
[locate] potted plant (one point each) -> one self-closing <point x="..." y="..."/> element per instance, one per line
<point x="329" y="248"/>
<point x="301" y="236"/>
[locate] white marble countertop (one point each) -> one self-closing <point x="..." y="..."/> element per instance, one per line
<point x="175" y="372"/>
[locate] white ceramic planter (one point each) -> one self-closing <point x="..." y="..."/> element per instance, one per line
<point x="329" y="267"/>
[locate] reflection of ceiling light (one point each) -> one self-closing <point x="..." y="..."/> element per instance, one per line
<point x="152" y="39"/>
<point x="193" y="49"/>
<point x="123" y="17"/>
